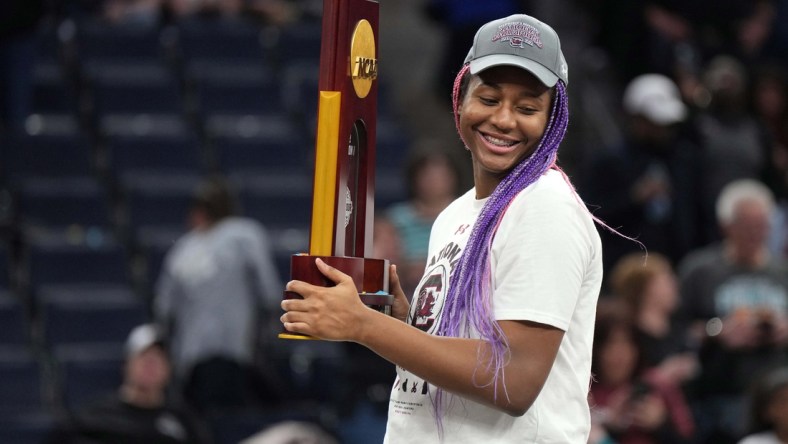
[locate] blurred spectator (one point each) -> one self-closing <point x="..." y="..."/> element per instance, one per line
<point x="776" y="48"/>
<point x="219" y="288"/>
<point x="770" y="103"/>
<point x="432" y="181"/>
<point x="647" y="186"/>
<point x="733" y="143"/>
<point x="648" y="289"/>
<point x="19" y="21"/>
<point x="735" y="295"/>
<point x="758" y="33"/>
<point x="141" y="411"/>
<point x="292" y="432"/>
<point x="769" y="409"/>
<point x="628" y="404"/>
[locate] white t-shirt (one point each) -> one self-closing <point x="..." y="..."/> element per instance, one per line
<point x="547" y="268"/>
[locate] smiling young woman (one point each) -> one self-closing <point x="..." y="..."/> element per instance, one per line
<point x="496" y="346"/>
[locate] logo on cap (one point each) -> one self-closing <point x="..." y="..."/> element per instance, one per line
<point x="518" y="34"/>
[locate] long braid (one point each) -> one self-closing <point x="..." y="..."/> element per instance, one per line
<point x="468" y="305"/>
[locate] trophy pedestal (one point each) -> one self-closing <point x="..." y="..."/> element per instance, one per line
<point x="371" y="277"/>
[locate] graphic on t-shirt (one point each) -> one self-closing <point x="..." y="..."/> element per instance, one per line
<point x="425" y="312"/>
<point x="429" y="301"/>
<point x="431" y="291"/>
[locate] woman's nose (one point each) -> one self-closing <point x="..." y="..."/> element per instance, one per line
<point x="503" y="118"/>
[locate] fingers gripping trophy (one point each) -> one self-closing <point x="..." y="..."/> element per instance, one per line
<point x="344" y="177"/>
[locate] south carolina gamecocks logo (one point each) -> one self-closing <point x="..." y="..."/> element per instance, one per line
<point x="429" y="299"/>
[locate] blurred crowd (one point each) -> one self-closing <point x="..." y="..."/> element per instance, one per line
<point x="679" y="145"/>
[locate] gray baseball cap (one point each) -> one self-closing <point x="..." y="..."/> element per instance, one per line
<point x="523" y="41"/>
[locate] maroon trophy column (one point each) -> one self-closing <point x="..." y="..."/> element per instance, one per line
<point x="344" y="181"/>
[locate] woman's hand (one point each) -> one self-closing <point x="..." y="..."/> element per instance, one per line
<point x="332" y="313"/>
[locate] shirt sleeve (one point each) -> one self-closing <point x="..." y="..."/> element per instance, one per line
<point x="541" y="255"/>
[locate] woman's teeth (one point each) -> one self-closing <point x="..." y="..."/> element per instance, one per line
<point x="499" y="142"/>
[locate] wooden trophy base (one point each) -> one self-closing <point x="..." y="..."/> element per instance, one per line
<point x="370" y="275"/>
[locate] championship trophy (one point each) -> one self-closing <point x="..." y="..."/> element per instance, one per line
<point x="344" y="179"/>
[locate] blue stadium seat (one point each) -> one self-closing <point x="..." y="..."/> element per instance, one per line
<point x="299" y="42"/>
<point x="14" y="321"/>
<point x="131" y="87"/>
<point x="53" y="124"/>
<point x="211" y="38"/>
<point x="300" y="91"/>
<point x="54" y="88"/>
<point x="50" y="39"/>
<point x="274" y="146"/>
<point x="89" y="314"/>
<point x="98" y="259"/>
<point x="158" y="201"/>
<point x="88" y="372"/>
<point x="277" y="200"/>
<point x="144" y="125"/>
<point x="21" y="381"/>
<point x="389" y="188"/>
<point x="391" y="145"/>
<point x="98" y="41"/>
<point x="49" y="155"/>
<point x="238" y="98"/>
<point x="133" y="154"/>
<point x="25" y="427"/>
<point x="287" y="242"/>
<point x="53" y="92"/>
<point x="60" y="202"/>
<point x="5" y="267"/>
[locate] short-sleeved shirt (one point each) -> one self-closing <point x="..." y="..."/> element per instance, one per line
<point x="546" y="268"/>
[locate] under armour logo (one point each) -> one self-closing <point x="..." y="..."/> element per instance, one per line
<point x="461" y="229"/>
